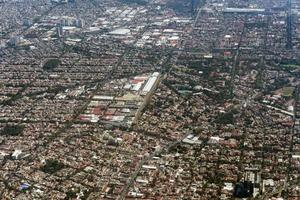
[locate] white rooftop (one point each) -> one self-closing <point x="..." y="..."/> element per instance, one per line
<point x="120" y="31"/>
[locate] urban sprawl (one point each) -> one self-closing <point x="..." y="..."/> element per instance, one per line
<point x="150" y="99"/>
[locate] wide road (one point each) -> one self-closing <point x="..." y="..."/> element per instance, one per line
<point x="134" y="175"/>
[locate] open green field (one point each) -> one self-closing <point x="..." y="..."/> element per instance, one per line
<point x="288" y="91"/>
<point x="291" y="66"/>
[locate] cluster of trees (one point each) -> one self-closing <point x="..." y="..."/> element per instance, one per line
<point x="51" y="64"/>
<point x="227" y="117"/>
<point x="82" y="50"/>
<point x="185" y="7"/>
<point x="290" y="62"/>
<point x="72" y="194"/>
<point x="10" y="101"/>
<point x="178" y="6"/>
<point x="12" y="130"/>
<point x="52" y="166"/>
<point x="279" y="83"/>
<point x="14" y="97"/>
<point x="201" y="66"/>
<point x="222" y="96"/>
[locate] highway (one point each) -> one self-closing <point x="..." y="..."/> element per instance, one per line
<point x="295" y="131"/>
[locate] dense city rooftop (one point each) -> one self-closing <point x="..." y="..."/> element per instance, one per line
<point x="150" y="99"/>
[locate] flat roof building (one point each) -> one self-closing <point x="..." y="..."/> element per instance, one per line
<point x="243" y="10"/>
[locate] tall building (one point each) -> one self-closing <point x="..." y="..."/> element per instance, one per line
<point x="60" y="31"/>
<point x="79" y="23"/>
<point x="14" y="41"/>
<point x="27" y="22"/>
<point x="289" y="42"/>
<point x="193" y="5"/>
